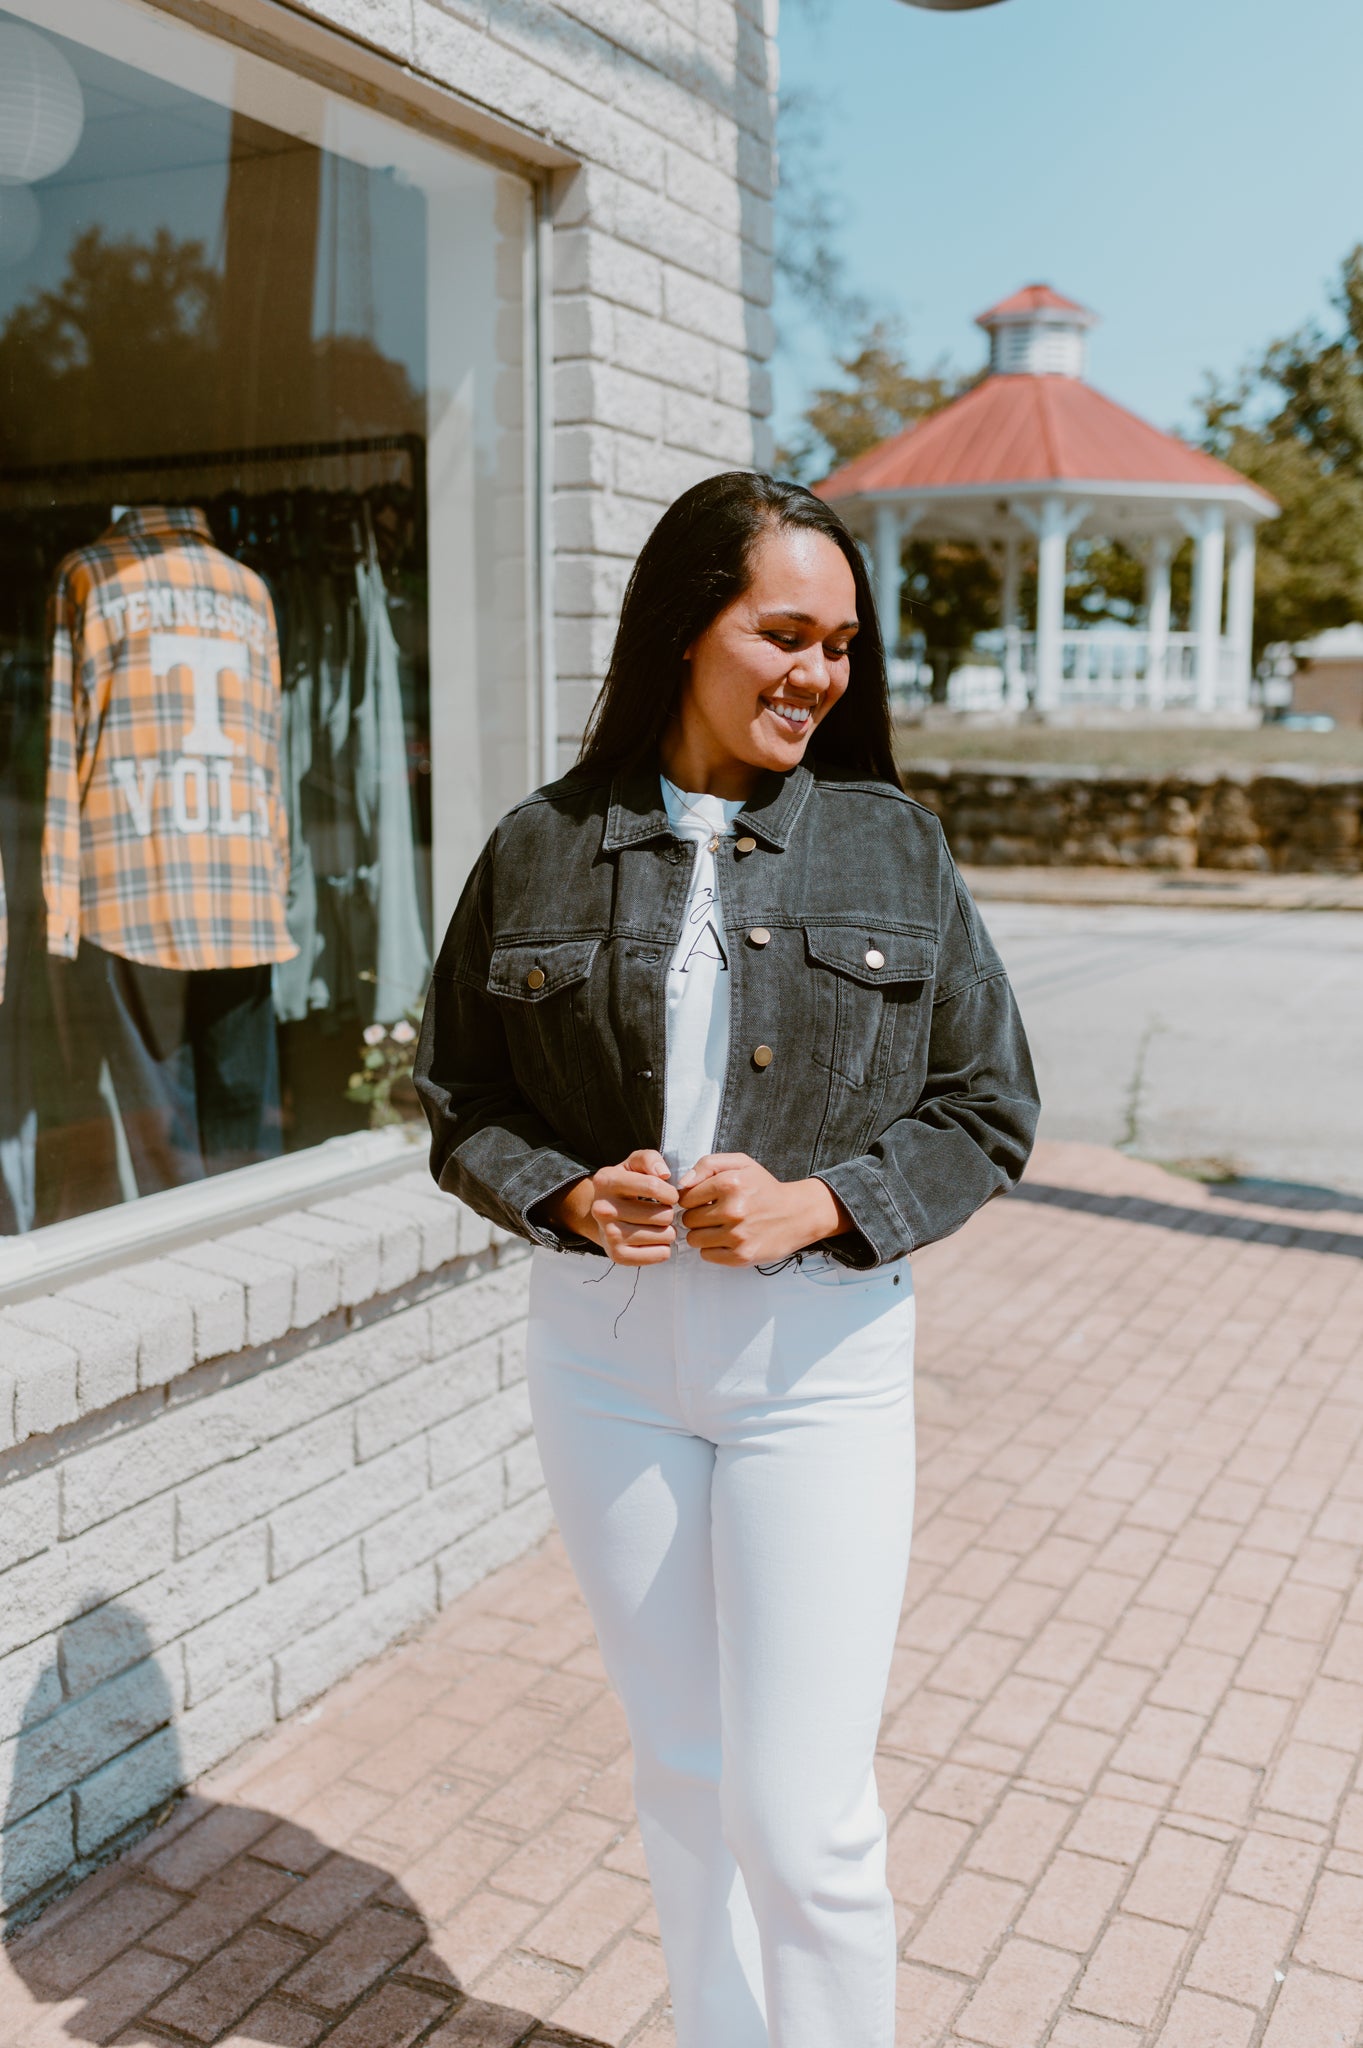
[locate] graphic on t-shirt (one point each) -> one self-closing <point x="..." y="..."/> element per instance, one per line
<point x="706" y="944"/>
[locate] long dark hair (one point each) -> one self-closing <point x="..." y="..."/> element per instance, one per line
<point x="697" y="560"/>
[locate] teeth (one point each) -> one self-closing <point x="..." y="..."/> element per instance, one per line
<point x="794" y="714"/>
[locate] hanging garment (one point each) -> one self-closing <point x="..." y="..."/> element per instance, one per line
<point x="354" y="909"/>
<point x="297" y="988"/>
<point x="402" y="960"/>
<point x="165" y="840"/>
<point x="192" y="1062"/>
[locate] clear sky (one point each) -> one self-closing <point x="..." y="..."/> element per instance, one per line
<point x="1191" y="169"/>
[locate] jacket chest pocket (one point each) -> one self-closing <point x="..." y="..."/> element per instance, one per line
<point x="541" y="992"/>
<point x="872" y="999"/>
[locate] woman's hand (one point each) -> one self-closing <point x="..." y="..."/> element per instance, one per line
<point x="737" y="1214"/>
<point x="627" y="1209"/>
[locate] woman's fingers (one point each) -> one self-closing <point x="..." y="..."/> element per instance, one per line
<point x="646" y="1160"/>
<point x="629" y="1209"/>
<point x="631" y="1184"/>
<point x="709" y="1165"/>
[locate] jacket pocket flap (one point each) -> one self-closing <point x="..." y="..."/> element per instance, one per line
<point x="531" y="969"/>
<point x="894" y="956"/>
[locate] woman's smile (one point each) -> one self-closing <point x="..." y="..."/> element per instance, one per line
<point x="797" y="716"/>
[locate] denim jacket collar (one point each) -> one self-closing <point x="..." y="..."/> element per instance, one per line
<point x="637" y="813"/>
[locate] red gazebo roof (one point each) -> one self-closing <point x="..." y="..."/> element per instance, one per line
<point x="1036" y="298"/>
<point x="1018" y="430"/>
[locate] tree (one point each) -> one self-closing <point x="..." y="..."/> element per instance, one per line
<point x="880" y="397"/>
<point x="950" y="590"/>
<point x="1293" y="424"/>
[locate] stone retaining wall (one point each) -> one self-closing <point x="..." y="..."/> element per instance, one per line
<point x="1279" y="820"/>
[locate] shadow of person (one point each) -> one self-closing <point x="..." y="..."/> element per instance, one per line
<point x="224" y="1918"/>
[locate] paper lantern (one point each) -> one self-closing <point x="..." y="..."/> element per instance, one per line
<point x="42" y="108"/>
<point x="21" y="224"/>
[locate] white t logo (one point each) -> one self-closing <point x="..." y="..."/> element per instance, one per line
<point x="207" y="660"/>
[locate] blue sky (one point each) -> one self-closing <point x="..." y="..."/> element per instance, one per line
<point x="1191" y="169"/>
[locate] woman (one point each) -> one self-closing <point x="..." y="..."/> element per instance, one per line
<point x="718" y="1007"/>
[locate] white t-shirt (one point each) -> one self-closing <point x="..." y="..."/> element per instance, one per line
<point x="697" y="988"/>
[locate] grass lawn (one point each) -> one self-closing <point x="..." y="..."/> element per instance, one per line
<point x="1146" y="750"/>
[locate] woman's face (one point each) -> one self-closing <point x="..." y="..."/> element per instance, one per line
<point x="773" y="663"/>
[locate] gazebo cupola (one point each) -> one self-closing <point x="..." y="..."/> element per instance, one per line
<point x="1032" y="457"/>
<point x="1037" y="333"/>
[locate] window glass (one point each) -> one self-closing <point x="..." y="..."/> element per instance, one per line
<point x="265" y="577"/>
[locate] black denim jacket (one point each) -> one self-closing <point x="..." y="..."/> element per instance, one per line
<point x="874" y="1040"/>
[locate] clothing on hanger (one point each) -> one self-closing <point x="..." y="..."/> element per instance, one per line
<point x="165" y="839"/>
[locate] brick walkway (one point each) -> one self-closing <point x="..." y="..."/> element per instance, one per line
<point x="1120" y="1756"/>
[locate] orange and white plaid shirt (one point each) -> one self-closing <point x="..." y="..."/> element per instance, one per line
<point x="165" y="839"/>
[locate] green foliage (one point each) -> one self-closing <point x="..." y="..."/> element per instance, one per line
<point x="1294" y="425"/>
<point x="880" y="396"/>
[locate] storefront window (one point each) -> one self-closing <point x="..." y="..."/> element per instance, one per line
<point x="265" y="594"/>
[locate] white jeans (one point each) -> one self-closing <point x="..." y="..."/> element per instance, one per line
<point x="730" y="1458"/>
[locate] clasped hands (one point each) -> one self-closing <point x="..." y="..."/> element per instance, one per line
<point x="733" y="1211"/>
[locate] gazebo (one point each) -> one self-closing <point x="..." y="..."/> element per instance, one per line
<point x="1033" y="457"/>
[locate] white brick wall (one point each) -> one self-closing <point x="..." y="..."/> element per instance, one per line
<point x="662" y="253"/>
<point x="232" y="1472"/>
<point x="207" y="1519"/>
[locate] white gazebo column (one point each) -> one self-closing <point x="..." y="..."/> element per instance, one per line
<point x="1208" y="529"/>
<point x="1014" y="682"/>
<point x="1240" y="613"/>
<point x="1053" y="527"/>
<point x="889" y="538"/>
<point x="1159" y="556"/>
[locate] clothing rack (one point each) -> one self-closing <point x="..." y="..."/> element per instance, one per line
<point x="413" y="446"/>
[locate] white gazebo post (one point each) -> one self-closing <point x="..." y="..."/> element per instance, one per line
<point x="1208" y="529"/>
<point x="1159" y="556"/>
<point x="1014" y="682"/>
<point x="1052" y="524"/>
<point x="889" y="537"/>
<point x="1240" y="612"/>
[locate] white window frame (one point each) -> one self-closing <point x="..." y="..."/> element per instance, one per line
<point x="60" y="1253"/>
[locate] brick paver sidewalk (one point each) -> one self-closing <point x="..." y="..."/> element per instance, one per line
<point x="1120" y="1757"/>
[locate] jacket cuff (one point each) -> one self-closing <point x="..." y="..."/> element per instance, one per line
<point x="545" y="1174"/>
<point x="880" y="1231"/>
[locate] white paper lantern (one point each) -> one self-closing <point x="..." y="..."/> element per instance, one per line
<point x="21" y="223"/>
<point x="42" y="108"/>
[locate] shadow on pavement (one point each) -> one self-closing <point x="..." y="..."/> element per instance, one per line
<point x="225" y="1919"/>
<point x="1286" y="1194"/>
<point x="1193" y="1222"/>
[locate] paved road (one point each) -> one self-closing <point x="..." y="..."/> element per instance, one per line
<point x="1197" y="1034"/>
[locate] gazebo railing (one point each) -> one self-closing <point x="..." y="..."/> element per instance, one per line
<point x="1122" y="671"/>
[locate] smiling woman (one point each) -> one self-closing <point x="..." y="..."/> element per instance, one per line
<point x="718" y="1006"/>
<point x="739" y="576"/>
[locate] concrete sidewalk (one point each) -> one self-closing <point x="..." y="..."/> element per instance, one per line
<point x="1160" y="888"/>
<point x="1120" y="1756"/>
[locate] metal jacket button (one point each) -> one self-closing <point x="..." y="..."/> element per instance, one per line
<point x="762" y="1056"/>
<point x="745" y="845"/>
<point x="875" y="958"/>
<point x="759" y="936"/>
<point x="535" y="978"/>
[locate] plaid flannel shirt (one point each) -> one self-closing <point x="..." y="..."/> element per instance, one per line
<point x="165" y="839"/>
